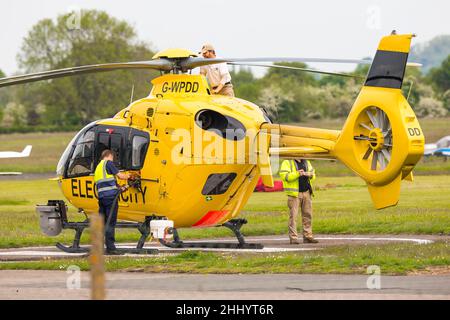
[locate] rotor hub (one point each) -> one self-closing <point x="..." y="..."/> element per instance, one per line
<point x="376" y="139"/>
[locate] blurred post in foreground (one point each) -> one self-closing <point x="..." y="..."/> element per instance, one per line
<point x="96" y="259"/>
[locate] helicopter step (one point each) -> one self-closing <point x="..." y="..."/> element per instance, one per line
<point x="53" y="219"/>
<point x="233" y="225"/>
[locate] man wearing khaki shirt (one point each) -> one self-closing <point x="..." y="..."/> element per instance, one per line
<point x="218" y="76"/>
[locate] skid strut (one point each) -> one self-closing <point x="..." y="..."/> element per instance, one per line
<point x="79" y="227"/>
<point x="233" y="225"/>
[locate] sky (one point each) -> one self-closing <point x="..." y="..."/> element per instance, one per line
<point x="317" y="28"/>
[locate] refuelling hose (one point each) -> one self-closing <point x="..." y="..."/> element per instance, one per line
<point x="135" y="183"/>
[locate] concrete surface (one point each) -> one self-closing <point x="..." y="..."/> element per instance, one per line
<point x="272" y="244"/>
<point x="53" y="285"/>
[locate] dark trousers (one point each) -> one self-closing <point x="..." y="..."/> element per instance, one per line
<point x="105" y="205"/>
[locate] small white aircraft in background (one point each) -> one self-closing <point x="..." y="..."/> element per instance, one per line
<point x="10" y="155"/>
<point x="440" y="148"/>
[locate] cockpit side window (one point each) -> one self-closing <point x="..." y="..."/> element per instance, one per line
<point x="82" y="160"/>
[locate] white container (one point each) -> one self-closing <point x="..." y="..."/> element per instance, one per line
<point x="160" y="228"/>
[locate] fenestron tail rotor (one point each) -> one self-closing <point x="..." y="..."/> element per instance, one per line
<point x="376" y="135"/>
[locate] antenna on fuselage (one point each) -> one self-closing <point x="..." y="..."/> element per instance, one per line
<point x="132" y="94"/>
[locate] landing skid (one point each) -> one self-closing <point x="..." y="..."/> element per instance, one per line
<point x="79" y="227"/>
<point x="73" y="250"/>
<point x="233" y="225"/>
<point x="144" y="229"/>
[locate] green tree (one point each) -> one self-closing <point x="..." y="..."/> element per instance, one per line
<point x="440" y="77"/>
<point x="3" y="98"/>
<point x="431" y="53"/>
<point x="430" y="108"/>
<point x="246" y="86"/>
<point x="289" y="79"/>
<point x="414" y="86"/>
<point x="78" y="100"/>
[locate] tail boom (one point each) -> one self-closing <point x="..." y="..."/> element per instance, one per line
<point x="381" y="140"/>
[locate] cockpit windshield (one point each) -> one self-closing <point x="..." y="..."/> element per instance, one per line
<point x="61" y="168"/>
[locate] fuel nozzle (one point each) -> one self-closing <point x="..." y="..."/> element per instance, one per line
<point x="135" y="182"/>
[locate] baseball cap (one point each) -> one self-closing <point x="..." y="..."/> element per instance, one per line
<point x="207" y="47"/>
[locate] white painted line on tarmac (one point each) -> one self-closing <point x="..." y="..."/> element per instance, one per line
<point x="250" y="240"/>
<point x="40" y="253"/>
<point x="161" y="250"/>
<point x="418" y="241"/>
<point x="264" y="250"/>
<point x="36" y="253"/>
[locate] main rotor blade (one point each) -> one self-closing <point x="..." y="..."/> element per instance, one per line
<point x="296" y="68"/>
<point x="195" y="62"/>
<point x="300" y="59"/>
<point x="161" y="64"/>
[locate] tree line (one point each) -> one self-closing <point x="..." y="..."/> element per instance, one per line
<point x="291" y="96"/>
<point x="69" y="103"/>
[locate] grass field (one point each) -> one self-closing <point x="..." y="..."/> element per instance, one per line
<point x="48" y="147"/>
<point x="342" y="205"/>
<point x="393" y="259"/>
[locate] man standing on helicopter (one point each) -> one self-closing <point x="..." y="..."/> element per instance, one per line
<point x="108" y="191"/>
<point x="218" y="75"/>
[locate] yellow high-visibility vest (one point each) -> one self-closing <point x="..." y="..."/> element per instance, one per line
<point x="104" y="181"/>
<point x="290" y="176"/>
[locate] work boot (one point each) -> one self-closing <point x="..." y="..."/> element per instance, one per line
<point x="309" y="240"/>
<point x="113" y="252"/>
<point x="294" y="241"/>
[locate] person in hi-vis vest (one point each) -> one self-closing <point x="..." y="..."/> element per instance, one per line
<point x="297" y="177"/>
<point x="107" y="190"/>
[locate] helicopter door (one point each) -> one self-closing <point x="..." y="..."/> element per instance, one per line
<point x="129" y="146"/>
<point x="112" y="139"/>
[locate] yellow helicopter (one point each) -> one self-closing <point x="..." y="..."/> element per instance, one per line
<point x="199" y="156"/>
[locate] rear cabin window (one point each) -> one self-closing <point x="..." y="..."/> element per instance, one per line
<point x="218" y="183"/>
<point x="112" y="142"/>
<point x="140" y="146"/>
